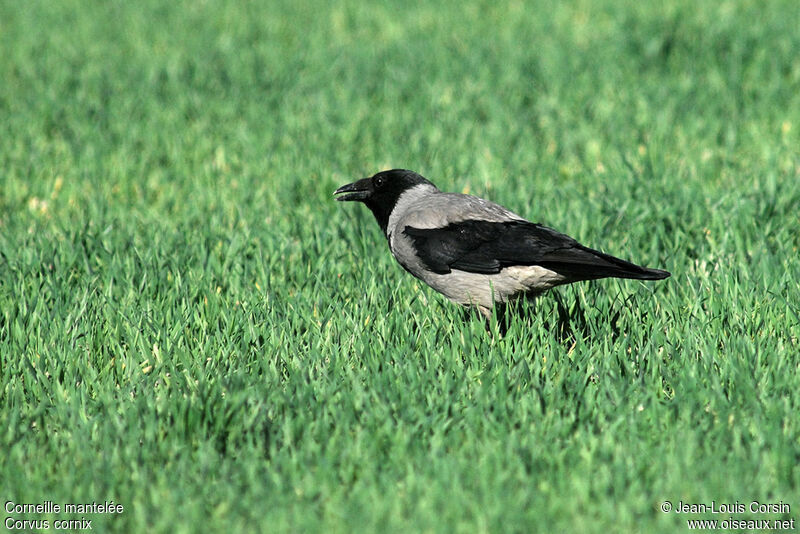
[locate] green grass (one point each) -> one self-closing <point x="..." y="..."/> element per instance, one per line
<point x="190" y="326"/>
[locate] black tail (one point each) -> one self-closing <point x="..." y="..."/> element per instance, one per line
<point x="585" y="263"/>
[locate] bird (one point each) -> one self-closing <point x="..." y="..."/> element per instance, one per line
<point x="473" y="251"/>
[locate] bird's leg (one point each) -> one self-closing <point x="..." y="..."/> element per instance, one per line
<point x="502" y="319"/>
<point x="487" y="316"/>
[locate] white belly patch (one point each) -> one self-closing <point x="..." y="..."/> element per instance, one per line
<point x="485" y="289"/>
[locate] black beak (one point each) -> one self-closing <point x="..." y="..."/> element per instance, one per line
<point x="360" y="190"/>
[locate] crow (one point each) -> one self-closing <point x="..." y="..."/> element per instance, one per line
<point x="473" y="251"/>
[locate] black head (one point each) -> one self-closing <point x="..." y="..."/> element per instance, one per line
<point x="381" y="191"/>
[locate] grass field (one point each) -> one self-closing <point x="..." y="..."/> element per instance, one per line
<point x="190" y="325"/>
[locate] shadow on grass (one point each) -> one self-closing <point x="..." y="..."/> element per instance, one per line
<point x="572" y="322"/>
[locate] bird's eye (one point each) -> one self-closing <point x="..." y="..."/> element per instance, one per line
<point x="379" y="181"/>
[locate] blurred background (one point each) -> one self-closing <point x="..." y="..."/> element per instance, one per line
<point x="199" y="101"/>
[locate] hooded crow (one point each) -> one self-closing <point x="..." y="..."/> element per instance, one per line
<point x="473" y="251"/>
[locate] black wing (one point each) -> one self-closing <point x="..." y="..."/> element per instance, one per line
<point x="487" y="247"/>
